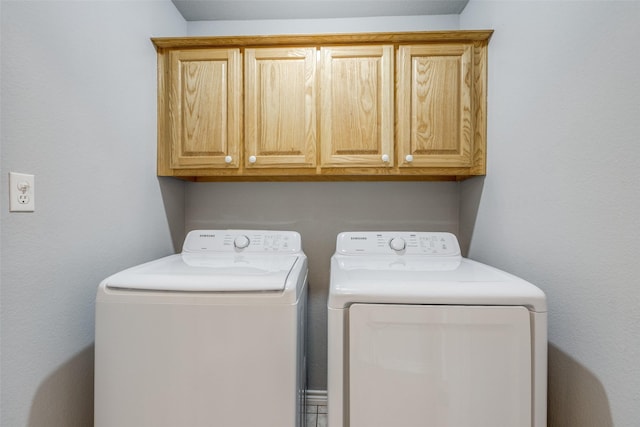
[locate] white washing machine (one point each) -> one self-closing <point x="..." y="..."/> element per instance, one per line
<point x="421" y="337"/>
<point x="214" y="336"/>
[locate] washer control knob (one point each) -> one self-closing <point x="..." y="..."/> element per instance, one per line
<point x="385" y="158"/>
<point x="397" y="244"/>
<point x="228" y="159"/>
<point x="241" y="242"/>
<point x="252" y="159"/>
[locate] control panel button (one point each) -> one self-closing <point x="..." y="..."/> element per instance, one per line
<point x="397" y="244"/>
<point x="241" y="242"/>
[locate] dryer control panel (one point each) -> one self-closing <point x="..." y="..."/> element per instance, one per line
<point x="437" y="244"/>
<point x="262" y="241"/>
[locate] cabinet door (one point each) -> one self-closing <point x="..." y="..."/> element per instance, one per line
<point x="280" y="107"/>
<point x="205" y="100"/>
<point x="434" y="105"/>
<point x="356" y="119"/>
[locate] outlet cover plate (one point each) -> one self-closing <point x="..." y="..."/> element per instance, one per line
<point x="21" y="192"/>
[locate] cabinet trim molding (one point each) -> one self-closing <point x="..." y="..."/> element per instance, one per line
<point x="322" y="39"/>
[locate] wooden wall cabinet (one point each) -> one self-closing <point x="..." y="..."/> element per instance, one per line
<point x="202" y="122"/>
<point x="356" y="119"/>
<point x="370" y="106"/>
<point x="434" y="105"/>
<point x="280" y="108"/>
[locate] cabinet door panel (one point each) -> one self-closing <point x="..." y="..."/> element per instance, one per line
<point x="357" y="106"/>
<point x="434" y="105"/>
<point x="204" y="107"/>
<point x="280" y="113"/>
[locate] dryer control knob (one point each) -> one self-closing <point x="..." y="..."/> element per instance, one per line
<point x="241" y="242"/>
<point x="397" y="244"/>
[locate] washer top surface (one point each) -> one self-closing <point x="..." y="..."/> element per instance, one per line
<point x="219" y="261"/>
<point x="419" y="268"/>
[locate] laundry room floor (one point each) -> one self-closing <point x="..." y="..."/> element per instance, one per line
<point x="316" y="416"/>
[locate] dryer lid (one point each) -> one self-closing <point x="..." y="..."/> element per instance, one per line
<point x="195" y="272"/>
<point x="385" y="280"/>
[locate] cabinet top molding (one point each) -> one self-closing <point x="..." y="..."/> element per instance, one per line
<point x="322" y="39"/>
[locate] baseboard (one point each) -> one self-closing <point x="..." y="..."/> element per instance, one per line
<point x="317" y="397"/>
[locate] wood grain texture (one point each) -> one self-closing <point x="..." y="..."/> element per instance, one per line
<point x="280" y="107"/>
<point x="204" y="107"/>
<point x="434" y="116"/>
<point x="163" y="125"/>
<point x="356" y="119"/>
<point x="321" y="107"/>
<point x="322" y="39"/>
<point x="479" y="108"/>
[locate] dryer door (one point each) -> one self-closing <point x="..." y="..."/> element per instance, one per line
<point x="444" y="366"/>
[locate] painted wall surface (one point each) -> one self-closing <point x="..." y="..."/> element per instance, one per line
<point x="559" y="205"/>
<point x="319" y="211"/>
<point x="323" y="26"/>
<point x="79" y="112"/>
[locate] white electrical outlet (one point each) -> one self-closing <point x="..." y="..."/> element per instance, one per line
<point x="21" y="192"/>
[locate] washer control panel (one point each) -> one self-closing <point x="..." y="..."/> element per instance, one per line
<point x="242" y="241"/>
<point x="438" y="244"/>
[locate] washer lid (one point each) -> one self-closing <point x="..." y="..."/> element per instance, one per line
<point x="207" y="273"/>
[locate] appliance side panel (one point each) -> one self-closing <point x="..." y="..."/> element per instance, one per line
<point x="539" y="335"/>
<point x="336" y="353"/>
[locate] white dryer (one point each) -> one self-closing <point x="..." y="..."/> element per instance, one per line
<point x="420" y="337"/>
<point x="214" y="336"/>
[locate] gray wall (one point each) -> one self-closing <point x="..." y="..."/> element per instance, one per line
<point x="323" y="26"/>
<point x="559" y="205"/>
<point x="79" y="112"/>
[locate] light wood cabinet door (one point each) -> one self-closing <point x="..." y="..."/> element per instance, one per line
<point x="356" y="117"/>
<point x="205" y="101"/>
<point x="280" y="107"/>
<point x="434" y="110"/>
